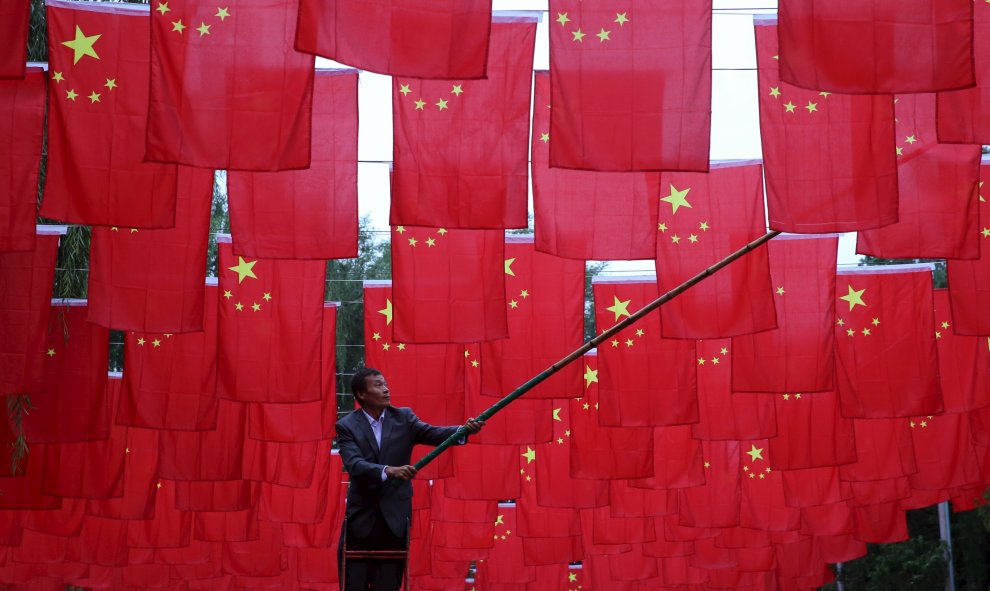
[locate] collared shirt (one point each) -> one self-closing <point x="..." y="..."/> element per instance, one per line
<point x="376" y="428"/>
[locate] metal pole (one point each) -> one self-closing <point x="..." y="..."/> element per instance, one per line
<point x="533" y="382"/>
<point x="945" y="532"/>
<point x="838" y="577"/>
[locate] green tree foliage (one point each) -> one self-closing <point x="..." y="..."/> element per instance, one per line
<point x="939" y="277"/>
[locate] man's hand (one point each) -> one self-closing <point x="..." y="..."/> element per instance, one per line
<point x="400" y="472"/>
<point x="474" y="425"/>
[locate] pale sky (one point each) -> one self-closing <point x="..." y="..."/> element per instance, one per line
<point x="735" y="111"/>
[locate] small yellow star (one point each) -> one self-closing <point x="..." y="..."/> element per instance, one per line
<point x="544" y="137"/>
<point x="163" y="8"/>
<point x="227" y="294"/>
<point x="775" y="91"/>
<point x="789" y="107"/>
<point x="560" y="440"/>
<point x="222" y="13"/>
<point x="386" y="346"/>
<point x="708" y="464"/>
<point x="524" y="294"/>
<point x="141" y="341"/>
<point x="724" y="351"/>
<point x="875" y="322"/>
<point x="441" y="104"/>
<point x="430" y="242"/>
<point x="603" y="35"/>
<point x="441" y="231"/>
<point x="238" y="306"/>
<point x="585" y="406"/>
<point x="615" y="342"/>
<point x="899" y="150"/>
<point x="457" y="90"/>
<point x="578" y="36"/>
<point x="178" y="27"/>
<point x="50" y="353"/>
<point x="267" y="296"/>
<point x="938" y="334"/>
<point x="703" y="226"/>
<point x="94" y="97"/>
<point x="203" y="28"/>
<point x="413" y="242"/>
<point x="662" y="227"/>
<point x="840" y="322"/>
<point x="111" y="83"/>
<point x="401" y="346"/>
<point x="377" y="336"/>
<point x="787" y="396"/>
<point x="824" y="94"/>
<point x="923" y="424"/>
<point x="850" y="332"/>
<point x="57" y="77"/>
<point x="156" y="343"/>
<point x="781" y="291"/>
<point x="693" y="238"/>
<point x="910" y="139"/>
<point x="701" y="361"/>
<point x="945" y="324"/>
<point x="715" y="360"/>
<point x="985" y="232"/>
<point x="256" y="307"/>
<point x="866" y="332"/>
<point x="71" y="94"/>
<point x="420" y="103"/>
<point x="513" y="304"/>
<point x="404" y="89"/>
<point x="675" y="239"/>
<point x="620" y="17"/>
<point x="475" y="363"/>
<point x="812" y="107"/>
<point x="639" y="332"/>
<point x="158" y="485"/>
<point x="562" y="18"/>
<point x="629" y="342"/>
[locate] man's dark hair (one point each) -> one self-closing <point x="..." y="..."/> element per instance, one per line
<point x="358" y="383"/>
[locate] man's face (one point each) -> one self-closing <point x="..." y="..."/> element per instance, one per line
<point x="375" y="396"/>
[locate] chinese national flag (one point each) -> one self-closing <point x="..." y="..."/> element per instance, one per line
<point x="446" y="39"/>
<point x="877" y="47"/>
<point x="26" y="280"/>
<point x="716" y="502"/>
<point x="631" y="89"/>
<point x="810" y="432"/>
<point x="724" y="414"/>
<point x="14" y="18"/>
<point x="646" y="380"/>
<point x="505" y="562"/>
<point x="855" y="188"/>
<point x="880" y="524"/>
<point x="703" y="219"/>
<point x="427" y="378"/>
<point x="305" y="421"/>
<point x="271" y="327"/>
<point x="886" y="357"/>
<point x="677" y="460"/>
<point x="20" y="152"/>
<point x="583" y="214"/>
<point x="312" y="213"/>
<point x="944" y="452"/>
<point x="140" y="478"/>
<point x="152" y="280"/>
<point x="797" y="356"/>
<point x="171" y="379"/>
<point x="91" y="469"/>
<point x="962" y="362"/>
<point x="555" y="487"/>
<point x="762" y="505"/>
<point x="228" y="90"/>
<point x="969" y="281"/>
<point x="964" y="115"/>
<point x="23" y="491"/>
<point x="98" y="102"/>
<point x="215" y="495"/>
<point x="448" y="285"/>
<point x="284" y="464"/>
<point x="167" y="528"/>
<point x="461" y="146"/>
<point x="522" y="422"/>
<point x="206" y="455"/>
<point x="489" y="472"/>
<point x="884" y="451"/>
<point x="72" y="405"/>
<point x="605" y="453"/>
<point x="546" y="322"/>
<point x="813" y="487"/>
<point x="937" y="191"/>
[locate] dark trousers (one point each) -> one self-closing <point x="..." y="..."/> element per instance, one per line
<point x="377" y="575"/>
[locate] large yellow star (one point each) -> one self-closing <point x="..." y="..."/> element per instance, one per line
<point x="854" y="297"/>
<point x="508" y="267"/>
<point x="755" y="453"/>
<point x="590" y="376"/>
<point x="530" y="454"/>
<point x="387" y="311"/>
<point x="82" y="45"/>
<point x="677" y="199"/>
<point x="244" y="269"/>
<point x="619" y="307"/>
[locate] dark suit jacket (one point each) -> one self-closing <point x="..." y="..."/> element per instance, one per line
<point x="363" y="460"/>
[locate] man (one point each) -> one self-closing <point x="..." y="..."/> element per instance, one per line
<point x="376" y="444"/>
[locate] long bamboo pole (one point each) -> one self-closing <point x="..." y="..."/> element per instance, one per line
<point x="532" y="383"/>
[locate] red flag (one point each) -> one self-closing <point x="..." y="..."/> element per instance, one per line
<point x="856" y="187"/>
<point x="98" y="101"/>
<point x="763" y="505"/>
<point x="716" y="502"/>
<point x="555" y="487"/>
<point x="167" y="528"/>
<point x="813" y="487"/>
<point x="152" y="280"/>
<point x="26" y="280"/>
<point x="969" y="281"/>
<point x="283" y="504"/>
<point x="797" y="356"/>
<point x="448" y="285"/>
<point x="312" y="213"/>
<point x="505" y="562"/>
<point x="306" y="421"/>
<point x="811" y="432"/>
<point x="605" y="453"/>
<point x="963" y="114"/>
<point x="678" y="460"/>
<point x="14" y="19"/>
<point x="585" y="214"/>
<point x="100" y="541"/>
<point x="937" y="191"/>
<point x="141" y="471"/>
<point x="442" y="178"/>
<point x="227" y="88"/>
<point x="884" y="451"/>
<point x="646" y="380"/>
<point x="546" y="322"/>
<point x="886" y="358"/>
<point x="20" y="150"/>
<point x="215" y="495"/>
<point x="723" y="414"/>
<point x="171" y="380"/>
<point x="475" y="477"/>
<point x="284" y="464"/>
<point x="962" y="362"/>
<point x="72" y="405"/>
<point x="880" y="524"/>
<point x="440" y="40"/>
<point x="723" y="214"/>
<point x="271" y="318"/>
<point x="24" y="490"/>
<point x="521" y="423"/>
<point x="206" y="455"/>
<point x="876" y="47"/>
<point x="944" y="452"/>
<point x="631" y="89"/>
<point x="92" y="469"/>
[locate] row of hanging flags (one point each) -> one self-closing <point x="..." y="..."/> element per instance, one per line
<point x="771" y="420"/>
